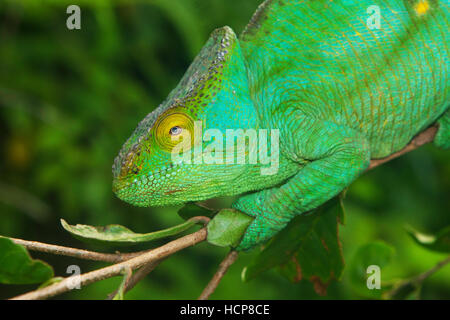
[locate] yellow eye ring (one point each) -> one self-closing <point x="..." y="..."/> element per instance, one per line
<point x="172" y="128"/>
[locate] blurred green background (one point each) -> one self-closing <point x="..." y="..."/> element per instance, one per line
<point x="70" y="98"/>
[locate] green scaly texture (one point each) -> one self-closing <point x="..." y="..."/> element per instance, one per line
<point x="339" y="91"/>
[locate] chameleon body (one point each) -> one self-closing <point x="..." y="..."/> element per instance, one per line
<point x="340" y="91"/>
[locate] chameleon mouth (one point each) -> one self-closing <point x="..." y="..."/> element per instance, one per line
<point x="118" y="186"/>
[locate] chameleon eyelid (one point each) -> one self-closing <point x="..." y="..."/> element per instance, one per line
<point x="176" y="133"/>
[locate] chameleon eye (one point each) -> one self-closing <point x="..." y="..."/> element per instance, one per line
<point x="172" y="128"/>
<point x="174" y="131"/>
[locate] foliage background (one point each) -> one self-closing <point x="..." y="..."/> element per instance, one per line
<point x="68" y="101"/>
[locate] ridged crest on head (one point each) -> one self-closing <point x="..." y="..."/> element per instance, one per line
<point x="197" y="88"/>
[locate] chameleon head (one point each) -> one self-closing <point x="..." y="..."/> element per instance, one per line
<point x="213" y="92"/>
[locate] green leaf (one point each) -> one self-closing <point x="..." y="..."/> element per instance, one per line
<point x="439" y="242"/>
<point x="191" y="210"/>
<point x="17" y="267"/>
<point x="372" y="254"/>
<point x="51" y="281"/>
<point x="119" y="235"/>
<point x="308" y="248"/>
<point x="227" y="228"/>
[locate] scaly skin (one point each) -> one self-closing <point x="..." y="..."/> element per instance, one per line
<point x="339" y="93"/>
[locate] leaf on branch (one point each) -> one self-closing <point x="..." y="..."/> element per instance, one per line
<point x="227" y="228"/>
<point x="115" y="234"/>
<point x="368" y="259"/>
<point x="439" y="242"/>
<point x="191" y="210"/>
<point x="308" y="248"/>
<point x="17" y="267"/>
<point x="51" y="281"/>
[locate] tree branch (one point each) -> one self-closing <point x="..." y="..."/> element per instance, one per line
<point x="421" y="277"/>
<point x="138" y="276"/>
<point x="114" y="270"/>
<point x="76" y="253"/>
<point x="417" y="281"/>
<point x="223" y="268"/>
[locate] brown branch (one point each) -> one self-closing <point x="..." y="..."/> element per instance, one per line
<point x="77" y="253"/>
<point x="421" y="277"/>
<point x="146" y="269"/>
<point x="141" y="274"/>
<point x="419" y="140"/>
<point x="135" y="278"/>
<point x="116" y="269"/>
<point x="127" y="273"/>
<point x="417" y="281"/>
<point x="223" y="268"/>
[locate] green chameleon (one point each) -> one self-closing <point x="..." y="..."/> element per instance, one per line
<point x="342" y="82"/>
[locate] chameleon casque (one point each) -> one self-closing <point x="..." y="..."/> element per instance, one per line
<point x="340" y="93"/>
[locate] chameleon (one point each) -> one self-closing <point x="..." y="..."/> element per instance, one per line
<point x="342" y="81"/>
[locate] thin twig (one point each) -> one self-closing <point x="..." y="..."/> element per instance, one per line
<point x="421" y="277"/>
<point x="127" y="274"/>
<point x="85" y="254"/>
<point x="136" y="277"/>
<point x="77" y="253"/>
<point x="223" y="268"/>
<point x="114" y="270"/>
<point x="141" y="274"/>
<point x="417" y="281"/>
